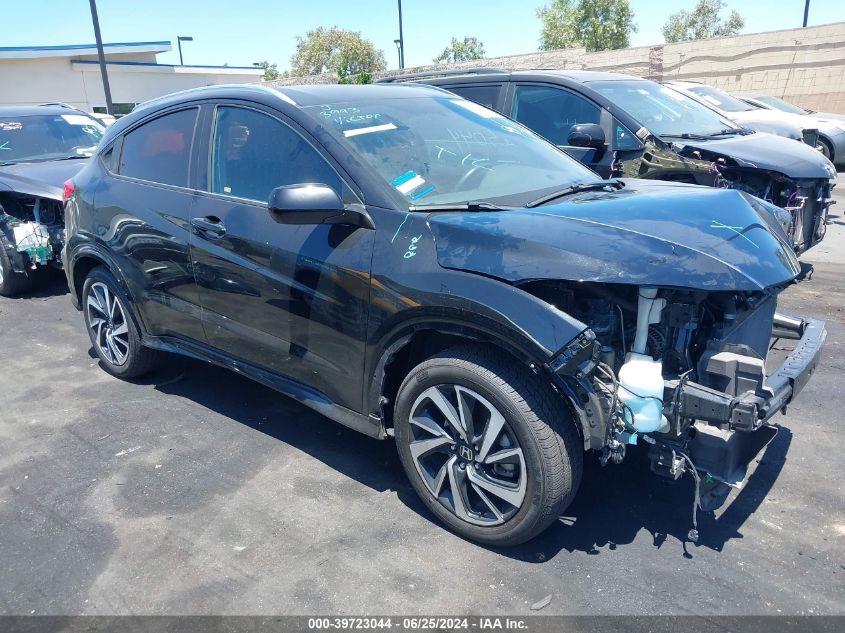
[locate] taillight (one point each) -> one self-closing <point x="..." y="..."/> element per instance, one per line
<point x="68" y="190"/>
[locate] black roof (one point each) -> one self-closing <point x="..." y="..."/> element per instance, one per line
<point x="480" y="74"/>
<point x="297" y="95"/>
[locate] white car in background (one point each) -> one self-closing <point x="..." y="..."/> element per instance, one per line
<point x="827" y="136"/>
<point x="766" y="102"/>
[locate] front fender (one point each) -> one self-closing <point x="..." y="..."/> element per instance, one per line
<point x="468" y="306"/>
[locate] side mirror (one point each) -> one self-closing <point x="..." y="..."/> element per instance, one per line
<point x="587" y="135"/>
<point x="314" y="203"/>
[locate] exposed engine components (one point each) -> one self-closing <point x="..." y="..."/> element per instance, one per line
<point x="34" y="227"/>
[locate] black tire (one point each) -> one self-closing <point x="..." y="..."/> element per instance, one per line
<point x="138" y="360"/>
<point x="534" y="414"/>
<point x="12" y="283"/>
<point x="826" y="149"/>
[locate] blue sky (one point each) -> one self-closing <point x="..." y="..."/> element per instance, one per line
<point x="241" y="32"/>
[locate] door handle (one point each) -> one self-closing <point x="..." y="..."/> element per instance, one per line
<point x="209" y="226"/>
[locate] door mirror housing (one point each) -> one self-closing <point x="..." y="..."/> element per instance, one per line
<point x="587" y="135"/>
<point x="314" y="203"/>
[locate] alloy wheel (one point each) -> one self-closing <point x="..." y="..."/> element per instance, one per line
<point x="467" y="455"/>
<point x="107" y="321"/>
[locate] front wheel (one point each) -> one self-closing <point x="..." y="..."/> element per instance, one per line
<point x="487" y="445"/>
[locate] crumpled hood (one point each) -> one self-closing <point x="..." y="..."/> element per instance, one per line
<point x="45" y="179"/>
<point x="767" y="151"/>
<point x="649" y="233"/>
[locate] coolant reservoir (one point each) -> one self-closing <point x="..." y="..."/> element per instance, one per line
<point x="641" y="390"/>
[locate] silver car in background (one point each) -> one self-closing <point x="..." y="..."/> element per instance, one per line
<point x="831" y="125"/>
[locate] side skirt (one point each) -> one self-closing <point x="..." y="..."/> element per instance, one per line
<point x="311" y="398"/>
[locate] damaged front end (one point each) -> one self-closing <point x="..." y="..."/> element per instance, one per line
<point x="677" y="288"/>
<point x="686" y="372"/>
<point x="33" y="229"/>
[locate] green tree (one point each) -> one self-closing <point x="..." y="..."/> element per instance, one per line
<point x="596" y="25"/>
<point x="346" y="53"/>
<point x="702" y="22"/>
<point x="471" y="48"/>
<point x="271" y="71"/>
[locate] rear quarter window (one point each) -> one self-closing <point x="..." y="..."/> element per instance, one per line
<point x="160" y="151"/>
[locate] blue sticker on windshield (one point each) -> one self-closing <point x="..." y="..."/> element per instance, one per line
<point x="422" y="193"/>
<point x="407" y="182"/>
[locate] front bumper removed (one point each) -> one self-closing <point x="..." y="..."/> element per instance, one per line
<point x="747" y="411"/>
<point x="729" y="431"/>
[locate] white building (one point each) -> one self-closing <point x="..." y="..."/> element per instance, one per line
<point x="71" y="74"/>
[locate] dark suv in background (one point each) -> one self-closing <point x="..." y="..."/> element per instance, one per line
<point x="412" y="264"/>
<point x="40" y="148"/>
<point x="620" y="125"/>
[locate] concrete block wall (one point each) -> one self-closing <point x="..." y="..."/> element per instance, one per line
<point x="804" y="66"/>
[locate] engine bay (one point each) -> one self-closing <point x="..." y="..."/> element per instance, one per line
<point x="34" y="228"/>
<point x="683" y="371"/>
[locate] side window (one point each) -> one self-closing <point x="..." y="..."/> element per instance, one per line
<point x="550" y="112"/>
<point x="109" y="158"/>
<point x="488" y="96"/>
<point x="253" y="153"/>
<point x="160" y="151"/>
<point x="623" y="138"/>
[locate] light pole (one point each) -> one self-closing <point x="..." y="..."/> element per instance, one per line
<point x="398" y="51"/>
<point x="101" y="56"/>
<point x="806" y="11"/>
<point x="401" y="39"/>
<point x="179" y="40"/>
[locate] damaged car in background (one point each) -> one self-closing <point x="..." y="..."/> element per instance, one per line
<point x="416" y="266"/>
<point x="620" y="125"/>
<point x="747" y="115"/>
<point x="40" y="148"/>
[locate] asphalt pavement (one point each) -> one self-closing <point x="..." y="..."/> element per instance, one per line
<point x="196" y="491"/>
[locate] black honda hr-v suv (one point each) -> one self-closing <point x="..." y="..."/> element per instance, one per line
<point x="414" y="265"/>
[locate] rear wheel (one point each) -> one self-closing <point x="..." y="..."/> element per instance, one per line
<point x="111" y="327"/>
<point x="487" y="445"/>
<point x="11" y="283"/>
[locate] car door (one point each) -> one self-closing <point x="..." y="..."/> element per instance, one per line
<point x="145" y="203"/>
<point x="292" y="299"/>
<point x="551" y="111"/>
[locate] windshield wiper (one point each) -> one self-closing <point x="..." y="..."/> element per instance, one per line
<point x="729" y="131"/>
<point x="581" y="186"/>
<point x="70" y="157"/>
<point x="457" y="206"/>
<point x="688" y="135"/>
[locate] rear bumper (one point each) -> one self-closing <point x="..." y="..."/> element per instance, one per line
<point x="748" y="411"/>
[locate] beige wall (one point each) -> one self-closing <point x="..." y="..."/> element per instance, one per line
<point x="805" y="66"/>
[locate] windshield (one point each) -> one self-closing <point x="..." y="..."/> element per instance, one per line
<point x="445" y="150"/>
<point x="665" y="112"/>
<point x="721" y="100"/>
<point x="48" y="136"/>
<point x="780" y="104"/>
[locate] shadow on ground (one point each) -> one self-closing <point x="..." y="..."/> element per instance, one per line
<point x="46" y="282"/>
<point x="613" y="506"/>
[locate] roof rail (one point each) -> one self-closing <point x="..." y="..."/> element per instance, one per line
<point x="57" y="104"/>
<point x="441" y="73"/>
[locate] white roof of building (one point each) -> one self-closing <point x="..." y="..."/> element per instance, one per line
<point x="73" y="50"/>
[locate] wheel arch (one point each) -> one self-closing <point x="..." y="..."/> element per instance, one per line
<point x="415" y="341"/>
<point x="82" y="262"/>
